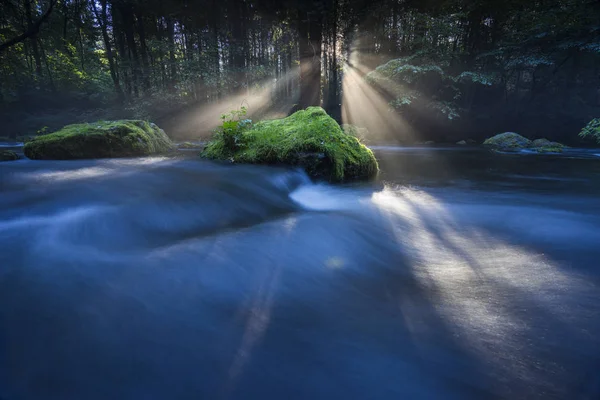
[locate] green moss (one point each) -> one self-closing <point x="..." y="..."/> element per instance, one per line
<point x="592" y="130"/>
<point x="549" y="149"/>
<point x="512" y="141"/>
<point x="102" y="139"/>
<point x="508" y="141"/>
<point x="308" y="138"/>
<point x="546" y="146"/>
<point x="8" y="155"/>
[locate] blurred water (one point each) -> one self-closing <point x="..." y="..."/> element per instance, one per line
<point x="460" y="274"/>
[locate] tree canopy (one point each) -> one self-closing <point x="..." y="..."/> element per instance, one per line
<point x="467" y="67"/>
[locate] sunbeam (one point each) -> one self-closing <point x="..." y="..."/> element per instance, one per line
<point x="261" y="100"/>
<point x="365" y="106"/>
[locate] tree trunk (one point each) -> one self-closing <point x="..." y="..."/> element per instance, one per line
<point x="172" y="61"/>
<point x="103" y="21"/>
<point x="128" y="23"/>
<point x="309" y="43"/>
<point x="124" y="56"/>
<point x="333" y="99"/>
<point x="34" y="40"/>
<point x="143" y="50"/>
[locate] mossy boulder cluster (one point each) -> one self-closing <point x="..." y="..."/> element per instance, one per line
<point x="8" y="155"/>
<point x="309" y="138"/>
<point x="510" y="141"/>
<point x="190" y="146"/>
<point x="102" y="139"/>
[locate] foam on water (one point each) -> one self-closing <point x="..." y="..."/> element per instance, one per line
<point x="325" y="198"/>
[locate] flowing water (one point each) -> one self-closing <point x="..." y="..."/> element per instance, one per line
<point x="460" y="274"/>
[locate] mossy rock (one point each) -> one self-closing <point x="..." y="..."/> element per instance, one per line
<point x="591" y="130"/>
<point x="508" y="141"/>
<point x="102" y="139"/>
<point x="546" y="146"/>
<point x="8" y="155"/>
<point x="308" y="138"/>
<point x="190" y="146"/>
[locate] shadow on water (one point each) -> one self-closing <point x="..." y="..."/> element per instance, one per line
<point x="163" y="278"/>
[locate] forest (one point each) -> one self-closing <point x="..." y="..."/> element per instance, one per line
<point x="407" y="70"/>
<point x="299" y="199"/>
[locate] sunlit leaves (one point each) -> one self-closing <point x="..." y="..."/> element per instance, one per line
<point x="592" y="130"/>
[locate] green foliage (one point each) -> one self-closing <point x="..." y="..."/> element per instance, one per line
<point x="424" y="87"/>
<point x="308" y="138"/>
<point x="102" y="139"/>
<point x="591" y="130"/>
<point x="8" y="155"/>
<point x="486" y="79"/>
<point x="233" y="126"/>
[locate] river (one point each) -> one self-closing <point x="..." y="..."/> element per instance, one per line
<point x="459" y="274"/>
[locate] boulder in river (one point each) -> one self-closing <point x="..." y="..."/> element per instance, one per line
<point x="102" y="139"/>
<point x="190" y="146"/>
<point x="309" y="138"/>
<point x="461" y="143"/>
<point x="8" y="155"/>
<point x="546" y="146"/>
<point x="508" y="141"/>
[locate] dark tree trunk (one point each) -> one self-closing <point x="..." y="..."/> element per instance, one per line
<point x="143" y="50"/>
<point x="333" y="99"/>
<point x="34" y="40"/>
<point x="128" y="25"/>
<point x="335" y="107"/>
<point x="103" y="21"/>
<point x="216" y="58"/>
<point x="172" y="61"/>
<point x="309" y="44"/>
<point x="122" y="52"/>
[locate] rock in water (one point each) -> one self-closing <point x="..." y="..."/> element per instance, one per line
<point x="309" y="138"/>
<point x="546" y="146"/>
<point x="190" y="146"/>
<point x="462" y="143"/>
<point x="508" y="141"/>
<point x="102" y="139"/>
<point x="8" y="155"/>
<point x="513" y="141"/>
